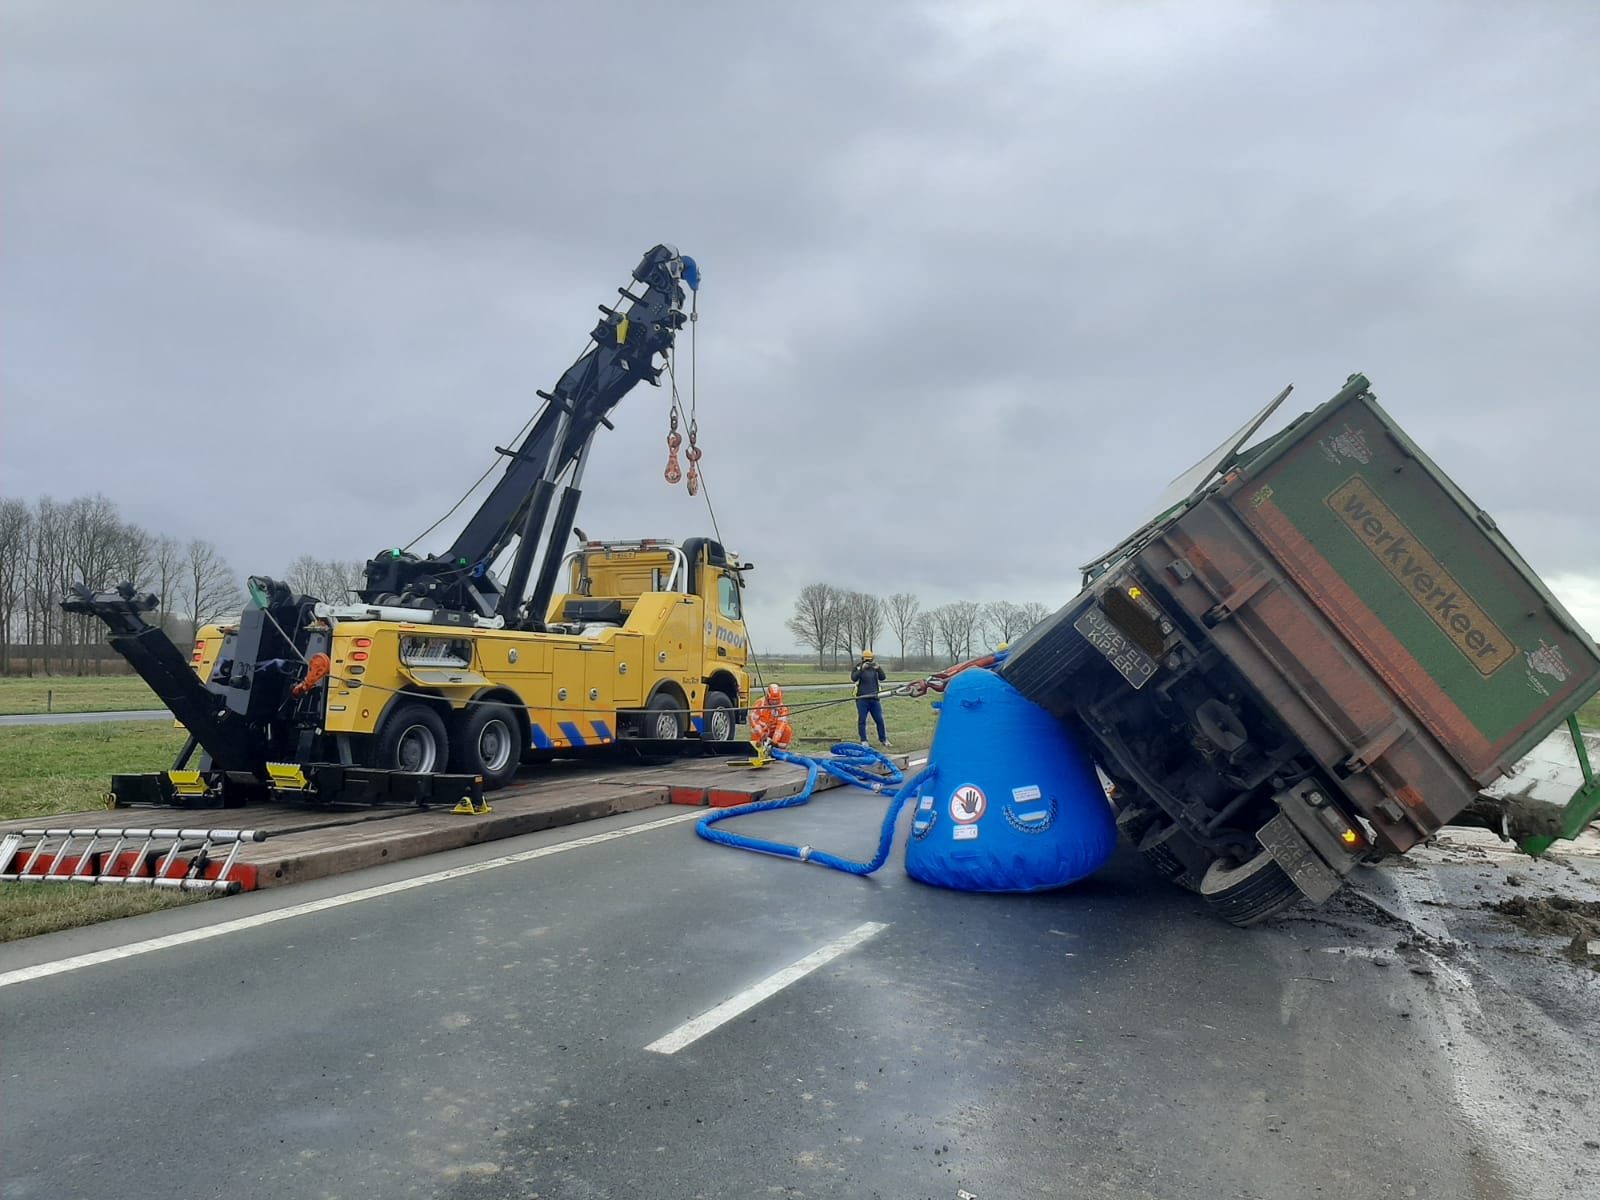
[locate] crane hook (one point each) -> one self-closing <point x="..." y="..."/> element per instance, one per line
<point x="672" y="474"/>
<point x="693" y="455"/>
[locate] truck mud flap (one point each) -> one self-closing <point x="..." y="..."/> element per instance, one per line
<point x="1315" y="879"/>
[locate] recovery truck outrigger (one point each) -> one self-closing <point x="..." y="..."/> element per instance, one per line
<point x="443" y="677"/>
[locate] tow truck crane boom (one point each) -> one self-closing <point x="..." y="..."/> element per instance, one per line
<point x="626" y="341"/>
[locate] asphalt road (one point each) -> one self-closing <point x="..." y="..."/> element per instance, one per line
<point x="85" y="718"/>
<point x="489" y="1035"/>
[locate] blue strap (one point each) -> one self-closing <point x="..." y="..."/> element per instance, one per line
<point x="857" y="766"/>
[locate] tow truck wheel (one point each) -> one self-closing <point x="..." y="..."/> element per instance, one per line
<point x="1248" y="892"/>
<point x="719" y="720"/>
<point x="663" y="719"/>
<point x="488" y="743"/>
<point x="413" y="738"/>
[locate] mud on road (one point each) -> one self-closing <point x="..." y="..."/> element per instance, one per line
<point x="1507" y="951"/>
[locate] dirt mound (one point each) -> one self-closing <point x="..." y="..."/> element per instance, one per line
<point x="1558" y="916"/>
<point x="1552" y="914"/>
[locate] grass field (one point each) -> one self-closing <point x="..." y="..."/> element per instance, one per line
<point x="1589" y="714"/>
<point x="29" y="909"/>
<point x="46" y="769"/>
<point x="830" y="716"/>
<point x="75" y="693"/>
<point x="51" y="769"/>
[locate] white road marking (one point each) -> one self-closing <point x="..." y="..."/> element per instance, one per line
<point x="691" y="1031"/>
<point x="222" y="928"/>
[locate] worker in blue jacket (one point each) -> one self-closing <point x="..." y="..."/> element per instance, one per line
<point x="867" y="675"/>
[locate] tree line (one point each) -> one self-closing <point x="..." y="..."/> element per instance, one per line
<point x="48" y="546"/>
<point x="839" y="623"/>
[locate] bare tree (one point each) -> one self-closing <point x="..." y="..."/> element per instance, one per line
<point x="94" y="534"/>
<point x="1002" y="620"/>
<point x="1032" y="613"/>
<point x="900" y="611"/>
<point x="946" y="629"/>
<point x="842" y="637"/>
<point x="923" y="632"/>
<point x="862" y="622"/>
<point x="166" y="569"/>
<point x="869" y="615"/>
<point x="210" y="588"/>
<point x="967" y="614"/>
<point x="132" y="559"/>
<point x="16" y="544"/>
<point x="326" y="579"/>
<point x="48" y="580"/>
<point x="956" y="625"/>
<point x="816" y="619"/>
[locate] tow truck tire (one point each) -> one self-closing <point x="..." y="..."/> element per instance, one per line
<point x="488" y="743"/>
<point x="663" y="719"/>
<point x="719" y="718"/>
<point x="1249" y="892"/>
<point x="413" y="738"/>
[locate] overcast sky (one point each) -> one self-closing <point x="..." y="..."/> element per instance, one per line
<point x="979" y="278"/>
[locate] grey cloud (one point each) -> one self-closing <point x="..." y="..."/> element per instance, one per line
<point x="980" y="278"/>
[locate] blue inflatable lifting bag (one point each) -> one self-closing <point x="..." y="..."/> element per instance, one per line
<point x="1013" y="804"/>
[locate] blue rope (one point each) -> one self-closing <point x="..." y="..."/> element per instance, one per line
<point x="857" y="766"/>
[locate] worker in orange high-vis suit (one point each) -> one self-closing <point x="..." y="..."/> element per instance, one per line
<point x="769" y="721"/>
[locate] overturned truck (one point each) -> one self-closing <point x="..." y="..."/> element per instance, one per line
<point x="1319" y="651"/>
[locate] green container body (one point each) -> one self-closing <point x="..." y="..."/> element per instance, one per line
<point x="1418" y="579"/>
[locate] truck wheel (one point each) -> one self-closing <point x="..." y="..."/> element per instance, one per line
<point x="719" y="718"/>
<point x="488" y="743"/>
<point x="663" y="719"/>
<point x="413" y="738"/>
<point x="1250" y="892"/>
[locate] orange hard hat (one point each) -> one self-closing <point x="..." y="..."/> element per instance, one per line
<point x="774" y="692"/>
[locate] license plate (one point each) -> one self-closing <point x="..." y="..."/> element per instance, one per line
<point x="1134" y="664"/>
<point x="1310" y="874"/>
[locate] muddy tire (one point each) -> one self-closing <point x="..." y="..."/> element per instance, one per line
<point x="719" y="718"/>
<point x="413" y="738"/>
<point x="488" y="742"/>
<point x="1249" y="892"/>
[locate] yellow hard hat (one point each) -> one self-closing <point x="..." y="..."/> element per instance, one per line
<point x="867" y="654"/>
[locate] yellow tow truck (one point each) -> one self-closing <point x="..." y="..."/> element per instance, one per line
<point x="438" y="674"/>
